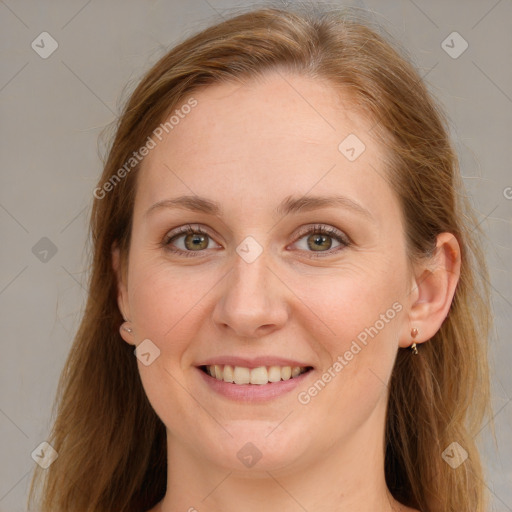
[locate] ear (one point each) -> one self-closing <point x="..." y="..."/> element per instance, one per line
<point x="122" y="290"/>
<point x="433" y="290"/>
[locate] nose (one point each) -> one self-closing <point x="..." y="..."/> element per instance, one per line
<point x="253" y="300"/>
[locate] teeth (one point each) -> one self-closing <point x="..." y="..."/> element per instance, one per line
<point x="295" y="371"/>
<point x="241" y="375"/>
<point x="274" y="374"/>
<point x="286" y="372"/>
<point x="228" y="374"/>
<point x="259" y="376"/>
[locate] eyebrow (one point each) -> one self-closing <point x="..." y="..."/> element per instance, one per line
<point x="289" y="205"/>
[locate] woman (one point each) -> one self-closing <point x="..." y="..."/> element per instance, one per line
<point x="282" y="240"/>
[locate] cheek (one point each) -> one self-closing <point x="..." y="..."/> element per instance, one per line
<point x="164" y="302"/>
<point x="347" y="302"/>
<point x="162" y="296"/>
<point x="353" y="383"/>
<point x="358" y="318"/>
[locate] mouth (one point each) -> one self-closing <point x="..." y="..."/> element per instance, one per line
<point x="262" y="375"/>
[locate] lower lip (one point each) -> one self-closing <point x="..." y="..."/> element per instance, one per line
<point x="253" y="392"/>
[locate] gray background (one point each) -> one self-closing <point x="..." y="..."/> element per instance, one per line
<point x="53" y="110"/>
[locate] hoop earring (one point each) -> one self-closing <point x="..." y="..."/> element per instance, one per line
<point x="414" y="348"/>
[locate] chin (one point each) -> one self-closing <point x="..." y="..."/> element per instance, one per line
<point x="257" y="447"/>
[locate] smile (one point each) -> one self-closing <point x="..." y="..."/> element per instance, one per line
<point x="259" y="376"/>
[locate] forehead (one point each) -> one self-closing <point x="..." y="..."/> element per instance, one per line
<point x="281" y="110"/>
<point x="260" y="141"/>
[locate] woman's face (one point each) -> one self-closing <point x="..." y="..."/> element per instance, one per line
<point x="261" y="286"/>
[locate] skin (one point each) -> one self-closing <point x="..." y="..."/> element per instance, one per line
<point x="248" y="147"/>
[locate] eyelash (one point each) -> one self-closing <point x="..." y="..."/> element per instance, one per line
<point x="317" y="229"/>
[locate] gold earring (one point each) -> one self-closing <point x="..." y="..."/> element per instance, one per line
<point x="414" y="333"/>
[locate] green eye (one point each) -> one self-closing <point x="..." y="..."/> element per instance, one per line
<point x="194" y="240"/>
<point x="318" y="242"/>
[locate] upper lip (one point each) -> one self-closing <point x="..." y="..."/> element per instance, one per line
<point x="255" y="362"/>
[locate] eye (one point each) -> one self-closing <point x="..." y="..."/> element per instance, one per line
<point x="319" y="240"/>
<point x="194" y="239"/>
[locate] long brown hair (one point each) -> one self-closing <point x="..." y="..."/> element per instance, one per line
<point x="111" y="444"/>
